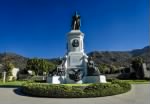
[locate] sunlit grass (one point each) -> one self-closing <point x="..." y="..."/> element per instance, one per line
<point x="11" y="83"/>
<point x="19" y="83"/>
<point x="137" y="81"/>
<point x="77" y="84"/>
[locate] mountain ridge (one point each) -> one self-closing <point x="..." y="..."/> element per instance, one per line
<point x="120" y="58"/>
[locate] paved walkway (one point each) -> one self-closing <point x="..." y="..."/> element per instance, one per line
<point x="140" y="94"/>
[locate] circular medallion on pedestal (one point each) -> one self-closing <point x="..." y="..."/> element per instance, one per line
<point x="75" y="43"/>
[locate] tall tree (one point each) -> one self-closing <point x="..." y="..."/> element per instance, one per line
<point x="39" y="65"/>
<point x="137" y="66"/>
<point x="8" y="68"/>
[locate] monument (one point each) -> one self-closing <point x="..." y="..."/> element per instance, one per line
<point x="76" y="66"/>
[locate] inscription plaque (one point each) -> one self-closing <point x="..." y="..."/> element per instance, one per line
<point x="75" y="60"/>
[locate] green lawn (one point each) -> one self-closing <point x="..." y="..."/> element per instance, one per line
<point x="19" y="83"/>
<point x="137" y="81"/>
<point x="77" y="84"/>
<point x="13" y="83"/>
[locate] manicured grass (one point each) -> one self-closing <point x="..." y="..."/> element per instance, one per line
<point x="77" y="84"/>
<point x="19" y="83"/>
<point x="11" y="83"/>
<point x="137" y="81"/>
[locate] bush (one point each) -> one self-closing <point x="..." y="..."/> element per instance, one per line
<point x="64" y="91"/>
<point x="125" y="85"/>
<point x="0" y="75"/>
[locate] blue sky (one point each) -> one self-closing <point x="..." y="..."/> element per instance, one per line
<point x="38" y="28"/>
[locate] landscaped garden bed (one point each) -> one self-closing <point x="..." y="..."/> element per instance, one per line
<point x="75" y="90"/>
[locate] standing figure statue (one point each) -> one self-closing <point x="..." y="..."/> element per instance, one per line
<point x="76" y="22"/>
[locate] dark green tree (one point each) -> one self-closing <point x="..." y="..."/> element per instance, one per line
<point x="39" y="65"/>
<point x="103" y="68"/>
<point x="8" y="68"/>
<point x="137" y="66"/>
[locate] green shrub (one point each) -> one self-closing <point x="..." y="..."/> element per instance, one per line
<point x="125" y="85"/>
<point x="64" y="91"/>
<point x="1" y="76"/>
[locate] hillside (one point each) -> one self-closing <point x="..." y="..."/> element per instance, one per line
<point x="113" y="58"/>
<point x="17" y="60"/>
<point x="144" y="53"/>
<point x="117" y="58"/>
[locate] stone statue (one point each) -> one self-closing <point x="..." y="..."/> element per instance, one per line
<point x="76" y="22"/>
<point x="92" y="69"/>
<point x="75" y="74"/>
<point x="59" y="70"/>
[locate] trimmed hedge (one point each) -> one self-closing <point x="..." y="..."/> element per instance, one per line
<point x="64" y="91"/>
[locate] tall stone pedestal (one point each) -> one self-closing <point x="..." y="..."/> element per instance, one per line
<point x="76" y="58"/>
<point x="75" y="63"/>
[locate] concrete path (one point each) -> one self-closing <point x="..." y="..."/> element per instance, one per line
<point x="140" y="94"/>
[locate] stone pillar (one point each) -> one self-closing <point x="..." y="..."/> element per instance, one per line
<point x="4" y="76"/>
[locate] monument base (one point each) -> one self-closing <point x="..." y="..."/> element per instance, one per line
<point x="86" y="79"/>
<point x="95" y="79"/>
<point x="69" y="81"/>
<point x="56" y="79"/>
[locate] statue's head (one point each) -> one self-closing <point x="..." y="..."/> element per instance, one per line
<point x="76" y="14"/>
